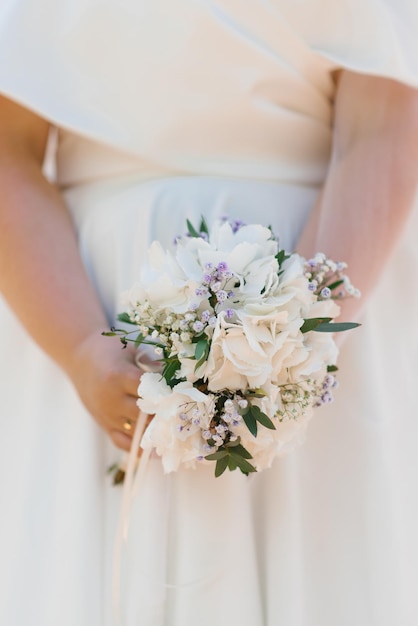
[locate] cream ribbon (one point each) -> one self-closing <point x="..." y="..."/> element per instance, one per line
<point x="131" y="485"/>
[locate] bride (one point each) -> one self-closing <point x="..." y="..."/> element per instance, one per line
<point x="274" y="112"/>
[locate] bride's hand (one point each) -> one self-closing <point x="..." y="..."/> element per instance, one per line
<point x="41" y="271"/>
<point x="106" y="378"/>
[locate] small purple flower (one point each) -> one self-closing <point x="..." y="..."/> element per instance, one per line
<point x="208" y="279"/>
<point x="206" y="316"/>
<point x="326" y="292"/>
<point x="201" y="291"/>
<point x="198" y="326"/>
<point x="209" y="266"/>
<point x="312" y="286"/>
<point x="229" y="314"/>
<point x="236" y="225"/>
<point x="221" y="295"/>
<point x="222" y="267"/>
<point x="326" y="397"/>
<point x="329" y="380"/>
<point x="212" y="321"/>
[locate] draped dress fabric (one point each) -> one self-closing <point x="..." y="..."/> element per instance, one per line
<point x="175" y="109"/>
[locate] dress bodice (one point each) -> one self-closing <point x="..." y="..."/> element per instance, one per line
<point x="247" y="106"/>
<point x="236" y="88"/>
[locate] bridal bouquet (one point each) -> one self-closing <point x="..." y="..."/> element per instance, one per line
<point x="244" y="335"/>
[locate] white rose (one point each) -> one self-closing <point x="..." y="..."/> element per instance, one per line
<point x="190" y="253"/>
<point x="319" y="351"/>
<point x="174" y="443"/>
<point x="152" y="390"/>
<point x="223" y="238"/>
<point x="239" y="356"/>
<point x="164" y="283"/>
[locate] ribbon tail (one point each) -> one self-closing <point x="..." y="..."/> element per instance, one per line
<point x="130" y="482"/>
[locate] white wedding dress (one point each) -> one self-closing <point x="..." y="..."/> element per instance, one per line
<point x="168" y="109"/>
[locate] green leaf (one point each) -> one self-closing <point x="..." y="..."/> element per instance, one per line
<point x="201" y="348"/>
<point x="192" y="231"/>
<point x="169" y="370"/>
<point x="139" y="340"/>
<point x="282" y="256"/>
<point x="124" y="317"/>
<point x="245" y="467"/>
<point x="335" y="327"/>
<point x="256" y="393"/>
<point x="231" y="464"/>
<point x="204" y="226"/>
<point x="220" y="454"/>
<point x="313" y="322"/>
<point x="335" y="285"/>
<point x="263" y="418"/>
<point x="332" y="368"/>
<point x="199" y="363"/>
<point x="201" y="352"/>
<point x="221" y="466"/>
<point x="233" y="444"/>
<point x="239" y="449"/>
<point x="251" y="422"/>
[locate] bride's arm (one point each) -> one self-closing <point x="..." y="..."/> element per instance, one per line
<point x="44" y="281"/>
<point x="372" y="180"/>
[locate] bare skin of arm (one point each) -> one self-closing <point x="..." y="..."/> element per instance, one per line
<point x="43" y="279"/>
<point x="372" y="180"/>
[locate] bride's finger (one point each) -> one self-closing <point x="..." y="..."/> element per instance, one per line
<point x="131" y="380"/>
<point x="122" y="440"/>
<point x="128" y="409"/>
